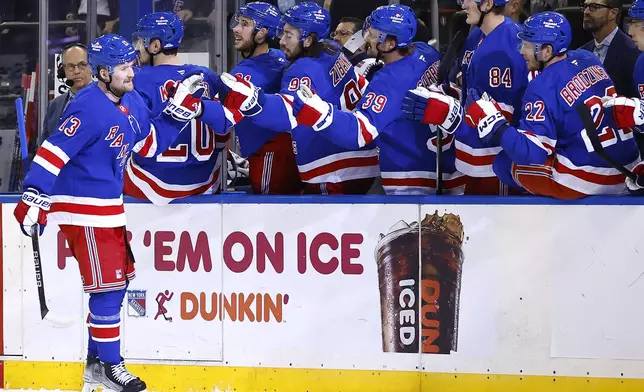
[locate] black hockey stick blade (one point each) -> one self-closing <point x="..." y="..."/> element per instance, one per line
<point x="35" y="243"/>
<point x="443" y="71"/>
<point x="45" y="314"/>
<point x="439" y="155"/>
<point x="452" y="53"/>
<point x="591" y="131"/>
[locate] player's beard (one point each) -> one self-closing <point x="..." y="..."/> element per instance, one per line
<point x="244" y="46"/>
<point x="295" y="54"/>
<point x="120" y="87"/>
<point x="371" y="49"/>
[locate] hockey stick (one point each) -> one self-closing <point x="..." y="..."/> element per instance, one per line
<point x="53" y="319"/>
<point x="591" y="131"/>
<point x="443" y="70"/>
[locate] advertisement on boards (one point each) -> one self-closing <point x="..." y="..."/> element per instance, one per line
<point x="365" y="286"/>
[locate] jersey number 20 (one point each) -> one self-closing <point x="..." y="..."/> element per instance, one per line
<point x="202" y="145"/>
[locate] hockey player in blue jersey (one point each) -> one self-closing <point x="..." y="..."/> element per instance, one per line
<point x="549" y="152"/>
<point x="627" y="111"/>
<point x="495" y="67"/>
<point x="76" y="179"/>
<point x="636" y="31"/>
<point x="407" y="149"/>
<point x="324" y="167"/>
<point x="272" y="166"/>
<point x="193" y="164"/>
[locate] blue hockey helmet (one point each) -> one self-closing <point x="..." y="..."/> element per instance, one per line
<point x="398" y="21"/>
<point x="164" y="26"/>
<point x="636" y="11"/>
<point x="109" y="51"/>
<point x="264" y="15"/>
<point x="309" y="18"/>
<point x="547" y="28"/>
<point x="498" y="3"/>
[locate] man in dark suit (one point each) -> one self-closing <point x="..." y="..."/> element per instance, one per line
<point x="78" y="75"/>
<point x="614" y="49"/>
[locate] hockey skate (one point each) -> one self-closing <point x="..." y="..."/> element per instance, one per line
<point x="116" y="378"/>
<point x="92" y="375"/>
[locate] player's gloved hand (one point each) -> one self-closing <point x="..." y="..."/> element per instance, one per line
<point x="432" y="107"/>
<point x="636" y="185"/>
<point x="310" y="110"/>
<point x="31" y="209"/>
<point x="185" y="102"/>
<point x="484" y="114"/>
<point x="239" y="94"/>
<point x="628" y="112"/>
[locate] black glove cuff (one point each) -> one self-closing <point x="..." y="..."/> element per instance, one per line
<point x="498" y="134"/>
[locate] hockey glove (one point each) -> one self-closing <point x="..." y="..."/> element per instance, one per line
<point x="628" y="112"/>
<point x="239" y="94"/>
<point x="310" y="110"/>
<point x="31" y="209"/>
<point x="432" y="107"/>
<point x="484" y="114"/>
<point x="636" y="185"/>
<point x="185" y="103"/>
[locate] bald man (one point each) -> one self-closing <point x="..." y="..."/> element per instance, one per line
<point x="78" y="75"/>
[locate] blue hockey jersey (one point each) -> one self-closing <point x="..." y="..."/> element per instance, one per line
<point x="471" y="42"/>
<point x="407" y="148"/>
<point x="638" y="76"/>
<point x="192" y="165"/>
<point x="551" y="128"/>
<point x="265" y="71"/>
<point x="496" y="67"/>
<point x="320" y="160"/>
<point x="81" y="166"/>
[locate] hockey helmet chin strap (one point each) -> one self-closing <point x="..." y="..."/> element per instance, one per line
<point x="542" y="63"/>
<point x="383" y="52"/>
<point x="108" y="84"/>
<point x="482" y="16"/>
<point x="483" y="13"/>
<point x="255" y="43"/>
<point x="246" y="55"/>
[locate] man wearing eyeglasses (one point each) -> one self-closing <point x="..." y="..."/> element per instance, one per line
<point x="613" y="47"/>
<point x="78" y="75"/>
<point x="346" y="28"/>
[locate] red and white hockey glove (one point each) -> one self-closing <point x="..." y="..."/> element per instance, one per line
<point x="310" y="110"/>
<point x="628" y="112"/>
<point x="638" y="184"/>
<point x="31" y="209"/>
<point x="241" y="95"/>
<point x="185" y="103"/>
<point x="433" y="107"/>
<point x="484" y="114"/>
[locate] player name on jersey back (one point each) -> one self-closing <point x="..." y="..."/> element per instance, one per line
<point x="582" y="82"/>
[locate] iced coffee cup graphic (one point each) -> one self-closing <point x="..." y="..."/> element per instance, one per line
<point x="419" y="274"/>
